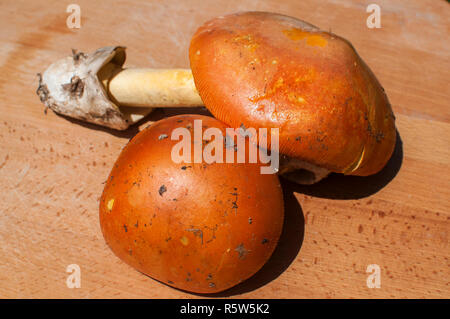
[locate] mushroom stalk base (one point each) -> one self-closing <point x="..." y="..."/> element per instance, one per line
<point x="96" y="88"/>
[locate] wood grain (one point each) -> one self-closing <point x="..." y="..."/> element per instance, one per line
<point x="52" y="168"/>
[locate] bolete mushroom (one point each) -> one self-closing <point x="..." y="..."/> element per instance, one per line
<point x="194" y="226"/>
<point x="260" y="69"/>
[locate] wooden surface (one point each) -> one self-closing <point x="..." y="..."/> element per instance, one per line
<point x="52" y="169"/>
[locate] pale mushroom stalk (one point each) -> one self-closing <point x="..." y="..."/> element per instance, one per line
<point x="150" y="87"/>
<point x="96" y="88"/>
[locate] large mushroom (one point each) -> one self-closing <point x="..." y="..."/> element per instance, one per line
<point x="259" y="69"/>
<point x="251" y="69"/>
<point x="194" y="226"/>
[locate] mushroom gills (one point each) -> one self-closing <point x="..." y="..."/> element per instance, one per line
<point x="301" y="172"/>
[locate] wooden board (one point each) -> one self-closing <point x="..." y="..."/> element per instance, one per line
<point x="52" y="169"/>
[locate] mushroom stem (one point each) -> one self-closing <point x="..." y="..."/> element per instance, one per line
<point x="96" y="88"/>
<point x="149" y="87"/>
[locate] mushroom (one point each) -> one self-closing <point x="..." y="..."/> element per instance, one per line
<point x="251" y="69"/>
<point x="259" y="69"/>
<point x="195" y="226"/>
<point x="97" y="89"/>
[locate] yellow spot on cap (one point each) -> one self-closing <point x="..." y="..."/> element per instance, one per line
<point x="278" y="83"/>
<point x="248" y="42"/>
<point x="295" y="34"/>
<point x="316" y="40"/>
<point x="184" y="240"/>
<point x="274" y="61"/>
<point x="296" y="99"/>
<point x="110" y="204"/>
<point x="311" y="38"/>
<point x="198" y="52"/>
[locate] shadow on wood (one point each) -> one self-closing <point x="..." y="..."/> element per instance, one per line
<point x="156" y="115"/>
<point x="339" y="186"/>
<point x="128" y="133"/>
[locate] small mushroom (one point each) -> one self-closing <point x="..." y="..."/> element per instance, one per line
<point x="96" y="88"/>
<point x="266" y="70"/>
<point x="211" y="240"/>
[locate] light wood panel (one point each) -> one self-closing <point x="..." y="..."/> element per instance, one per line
<point x="52" y="168"/>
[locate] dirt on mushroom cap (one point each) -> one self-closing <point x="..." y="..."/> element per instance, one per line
<point x="269" y="70"/>
<point x="186" y="224"/>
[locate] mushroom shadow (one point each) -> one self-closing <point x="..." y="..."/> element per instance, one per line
<point x="130" y="132"/>
<point x="340" y="186"/>
<point x="286" y="251"/>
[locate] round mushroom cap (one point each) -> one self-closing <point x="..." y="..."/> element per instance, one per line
<point x="268" y="70"/>
<point x="195" y="226"/>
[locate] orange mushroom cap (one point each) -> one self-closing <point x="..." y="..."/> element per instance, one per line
<point x="268" y="70"/>
<point x="195" y="226"/>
